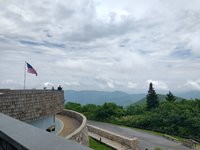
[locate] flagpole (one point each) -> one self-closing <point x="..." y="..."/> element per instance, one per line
<point x="25" y="76"/>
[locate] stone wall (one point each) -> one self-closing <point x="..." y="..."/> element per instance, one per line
<point x="132" y="143"/>
<point x="80" y="135"/>
<point x="30" y="105"/>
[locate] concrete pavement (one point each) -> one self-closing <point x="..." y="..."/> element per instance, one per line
<point x="69" y="125"/>
<point x="146" y="140"/>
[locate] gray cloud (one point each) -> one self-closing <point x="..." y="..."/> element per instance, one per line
<point x="102" y="45"/>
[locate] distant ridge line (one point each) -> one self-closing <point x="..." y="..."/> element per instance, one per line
<point x="118" y="97"/>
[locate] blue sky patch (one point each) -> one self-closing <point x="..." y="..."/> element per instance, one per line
<point x="44" y="43"/>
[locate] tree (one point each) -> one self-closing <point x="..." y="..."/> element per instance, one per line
<point x="135" y="109"/>
<point x="90" y="110"/>
<point x="152" y="98"/>
<point x="108" y="111"/>
<point x="170" y="97"/>
<point x="73" y="106"/>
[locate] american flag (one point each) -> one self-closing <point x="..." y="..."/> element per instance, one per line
<point x="31" y="69"/>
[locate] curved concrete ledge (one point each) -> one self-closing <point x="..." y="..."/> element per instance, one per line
<point x="81" y="133"/>
<point x="62" y="125"/>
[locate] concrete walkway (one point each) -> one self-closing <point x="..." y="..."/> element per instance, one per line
<point x="108" y="142"/>
<point x="69" y="125"/>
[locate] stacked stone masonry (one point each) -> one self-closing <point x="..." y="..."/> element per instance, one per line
<point x="132" y="143"/>
<point x="29" y="105"/>
<point x="80" y="135"/>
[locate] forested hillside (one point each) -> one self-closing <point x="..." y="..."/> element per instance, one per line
<point x="175" y="118"/>
<point x="167" y="114"/>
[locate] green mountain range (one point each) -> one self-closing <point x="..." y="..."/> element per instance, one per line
<point x="100" y="97"/>
<point x="118" y="97"/>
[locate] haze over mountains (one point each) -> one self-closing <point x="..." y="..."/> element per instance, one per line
<point x="118" y="97"/>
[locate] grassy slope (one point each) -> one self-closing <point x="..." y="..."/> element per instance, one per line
<point x="198" y="146"/>
<point x="97" y="145"/>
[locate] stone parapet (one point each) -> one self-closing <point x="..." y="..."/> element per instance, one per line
<point x="80" y="135"/>
<point x="30" y="105"/>
<point x="132" y="143"/>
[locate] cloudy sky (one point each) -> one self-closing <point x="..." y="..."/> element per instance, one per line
<point x="101" y="44"/>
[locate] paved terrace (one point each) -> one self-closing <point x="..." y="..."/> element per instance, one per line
<point x="74" y="126"/>
<point x="69" y="125"/>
